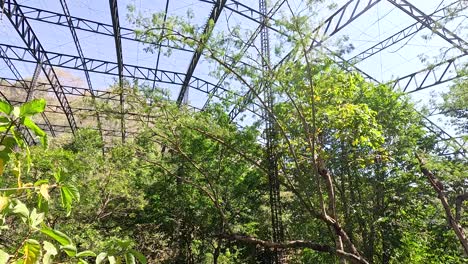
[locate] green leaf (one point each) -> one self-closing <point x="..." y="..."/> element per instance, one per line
<point x="5" y="107"/>
<point x="4" y="120"/>
<point x="141" y="258"/>
<point x="86" y="253"/>
<point x="35" y="218"/>
<point x="60" y="237"/>
<point x="68" y="193"/>
<point x="44" y="191"/>
<point x="9" y="143"/>
<point x="111" y="259"/>
<point x="4" y="257"/>
<point x="32" y="107"/>
<point x="58" y="175"/>
<point x="4" y="202"/>
<point x="129" y="258"/>
<point x="101" y="257"/>
<point x="51" y="251"/>
<point x="32" y="251"/>
<point x="40" y="182"/>
<point x="42" y="204"/>
<point x="69" y="249"/>
<point x="21" y="210"/>
<point x="82" y="261"/>
<point x="27" y="122"/>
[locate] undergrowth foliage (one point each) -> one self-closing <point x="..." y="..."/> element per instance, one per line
<point x="28" y="235"/>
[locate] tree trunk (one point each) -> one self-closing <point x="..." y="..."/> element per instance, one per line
<point x="439" y="188"/>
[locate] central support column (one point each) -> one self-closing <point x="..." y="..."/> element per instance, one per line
<point x="271" y="139"/>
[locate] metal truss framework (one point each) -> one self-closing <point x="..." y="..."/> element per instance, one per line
<point x="19" y="15"/>
<point x="29" y="88"/>
<point x="99" y="28"/>
<point x="209" y="25"/>
<point x="76" y="40"/>
<point x="35" y="48"/>
<point x="431" y="24"/>
<point x="111" y="68"/>
<point x="406" y="33"/>
<point x="118" y="50"/>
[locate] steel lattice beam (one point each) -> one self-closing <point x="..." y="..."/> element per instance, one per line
<point x="214" y="15"/>
<point x="24" y="29"/>
<point x="118" y="41"/>
<point x="56" y="109"/>
<point x="130" y="71"/>
<point x="247" y="12"/>
<point x="28" y="87"/>
<point x="430" y="23"/>
<point x="69" y="90"/>
<point x="336" y="22"/>
<point x="66" y="129"/>
<point x="340" y="19"/>
<point x="435" y="74"/>
<point x="114" y="9"/>
<point x="166" y="9"/>
<point x="405" y="33"/>
<point x="66" y="11"/>
<point x="55" y="18"/>
<point x="77" y="44"/>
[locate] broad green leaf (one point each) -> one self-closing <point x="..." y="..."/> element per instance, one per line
<point x="44" y="190"/>
<point x="21" y="210"/>
<point x="35" y="218"/>
<point x="9" y="143"/>
<point x="111" y="259"/>
<point x="40" y="182"/>
<point x="4" y="257"/>
<point x="32" y="107"/>
<point x="82" y="261"/>
<point x="32" y="251"/>
<point x="68" y="193"/>
<point x="101" y="257"/>
<point x="69" y="249"/>
<point x="19" y="139"/>
<point x="4" y="127"/>
<point x="5" y="107"/>
<point x="27" y="122"/>
<point x="4" y="120"/>
<point x="42" y="204"/>
<point x="60" y="237"/>
<point x="4" y="202"/>
<point x="51" y="251"/>
<point x="129" y="258"/>
<point x="58" y="175"/>
<point x="140" y="257"/>
<point x="86" y="253"/>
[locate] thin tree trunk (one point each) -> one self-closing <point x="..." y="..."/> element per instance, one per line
<point x="439" y="188"/>
<point x="458" y="204"/>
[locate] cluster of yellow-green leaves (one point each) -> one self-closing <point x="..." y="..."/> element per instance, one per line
<point x="24" y="205"/>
